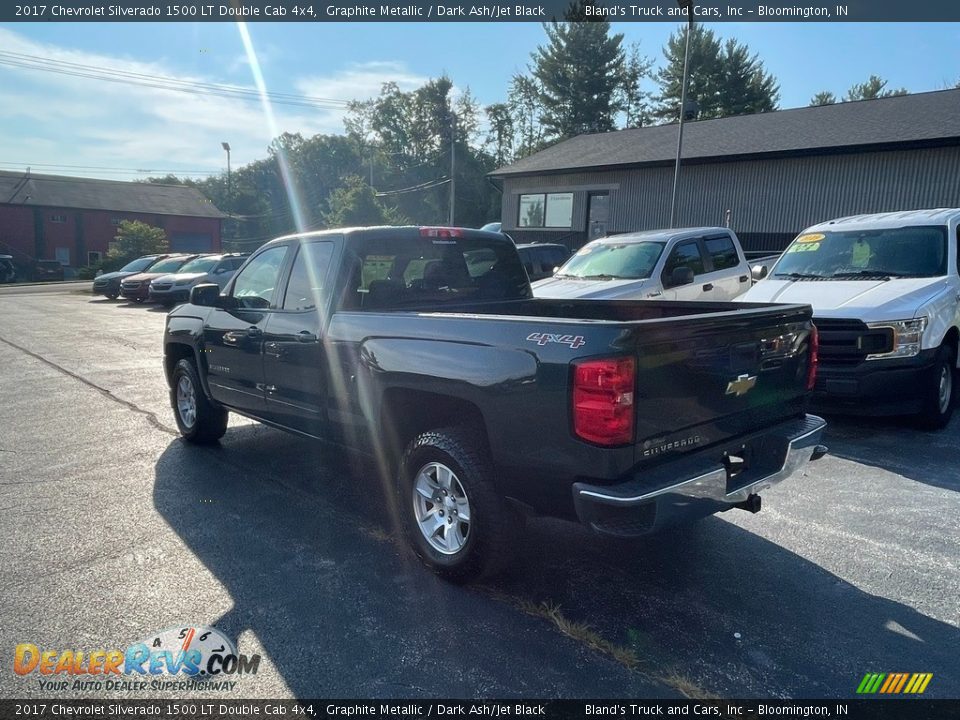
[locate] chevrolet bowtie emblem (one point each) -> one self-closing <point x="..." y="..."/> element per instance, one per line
<point x="742" y="385"/>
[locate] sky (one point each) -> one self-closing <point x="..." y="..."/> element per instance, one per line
<point x="65" y="124"/>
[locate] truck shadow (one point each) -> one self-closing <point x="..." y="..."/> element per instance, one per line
<point x="893" y="444"/>
<point x="299" y="538"/>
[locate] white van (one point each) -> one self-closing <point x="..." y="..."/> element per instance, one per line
<point x="687" y="264"/>
<point x="885" y="291"/>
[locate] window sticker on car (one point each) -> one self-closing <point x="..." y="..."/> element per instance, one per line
<point x="803" y="247"/>
<point x="811" y="238"/>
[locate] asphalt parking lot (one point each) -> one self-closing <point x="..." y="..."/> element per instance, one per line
<point x="112" y="528"/>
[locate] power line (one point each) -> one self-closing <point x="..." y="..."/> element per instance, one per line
<point x="415" y="188"/>
<point x="60" y="67"/>
<point x="49" y="167"/>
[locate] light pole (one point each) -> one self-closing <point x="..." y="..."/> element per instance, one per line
<point x="226" y="146"/>
<point x="688" y="5"/>
<point x="453" y="165"/>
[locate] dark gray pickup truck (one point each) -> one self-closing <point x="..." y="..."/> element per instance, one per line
<point x="426" y="348"/>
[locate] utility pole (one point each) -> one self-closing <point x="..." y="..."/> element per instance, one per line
<point x="226" y="146"/>
<point x="683" y="109"/>
<point x="453" y="165"/>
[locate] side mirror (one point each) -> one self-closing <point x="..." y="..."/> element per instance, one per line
<point x="681" y="276"/>
<point x="759" y="272"/>
<point x="205" y="295"/>
<point x="556" y="269"/>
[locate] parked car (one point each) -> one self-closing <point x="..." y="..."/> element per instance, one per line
<point x="137" y="287"/>
<point x="47" y="271"/>
<point x="885" y="292"/>
<point x="168" y="290"/>
<point x="108" y="284"/>
<point x="480" y="401"/>
<point x="687" y="264"/>
<point x="8" y="271"/>
<point x="540" y="260"/>
<point x="492" y="227"/>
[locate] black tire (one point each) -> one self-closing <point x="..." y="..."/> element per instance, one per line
<point x="940" y="391"/>
<point x="491" y="534"/>
<point x="208" y="423"/>
<point x="111" y="295"/>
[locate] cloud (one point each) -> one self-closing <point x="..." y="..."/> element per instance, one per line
<point x="62" y="119"/>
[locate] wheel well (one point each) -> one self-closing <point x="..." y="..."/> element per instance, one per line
<point x="407" y="413"/>
<point x="952" y="339"/>
<point x="174" y="353"/>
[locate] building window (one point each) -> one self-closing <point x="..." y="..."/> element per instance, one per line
<point x="115" y="221"/>
<point x="546" y="210"/>
<point x="93" y="257"/>
<point x="58" y="218"/>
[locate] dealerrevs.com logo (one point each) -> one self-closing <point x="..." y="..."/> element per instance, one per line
<point x="179" y="658"/>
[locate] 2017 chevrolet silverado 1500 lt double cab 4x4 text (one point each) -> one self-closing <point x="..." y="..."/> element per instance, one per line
<point x="426" y="348"/>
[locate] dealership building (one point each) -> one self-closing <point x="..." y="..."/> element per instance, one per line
<point x="73" y="220"/>
<point x="767" y="176"/>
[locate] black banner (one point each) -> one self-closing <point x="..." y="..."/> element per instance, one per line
<point x="478" y="11"/>
<point x="873" y="709"/>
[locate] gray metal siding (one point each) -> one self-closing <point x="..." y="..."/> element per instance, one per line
<point x="775" y="198"/>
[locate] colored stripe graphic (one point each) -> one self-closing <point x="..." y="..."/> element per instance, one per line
<point x="894" y="683"/>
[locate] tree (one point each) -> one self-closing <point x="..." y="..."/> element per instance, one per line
<point x="500" y="135"/>
<point x="824" y="97"/>
<point x="355" y="204"/>
<point x="635" y="100"/>
<point x="581" y="71"/>
<point x="724" y="78"/>
<point x="524" y="99"/>
<point x="872" y="89"/>
<point x="135" y="239"/>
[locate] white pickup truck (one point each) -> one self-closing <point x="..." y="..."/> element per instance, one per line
<point x="885" y="292"/>
<point x="687" y="264"/>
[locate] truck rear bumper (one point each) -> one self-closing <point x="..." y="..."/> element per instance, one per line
<point x="701" y="483"/>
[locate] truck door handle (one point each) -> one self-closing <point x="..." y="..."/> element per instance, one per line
<point x="306" y="336"/>
<point x="708" y="287"/>
<point x="743" y="278"/>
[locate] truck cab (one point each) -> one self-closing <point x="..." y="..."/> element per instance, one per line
<point x="885" y="292"/>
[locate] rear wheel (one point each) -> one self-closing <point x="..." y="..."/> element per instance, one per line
<point x="452" y="515"/>
<point x="198" y="419"/>
<point x="112" y="295"/>
<point x="939" y="394"/>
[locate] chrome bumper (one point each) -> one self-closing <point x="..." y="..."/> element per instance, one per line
<point x="655" y="498"/>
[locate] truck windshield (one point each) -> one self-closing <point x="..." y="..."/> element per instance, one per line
<point x="613" y="260"/>
<point x="429" y="271"/>
<point x="888" y="253"/>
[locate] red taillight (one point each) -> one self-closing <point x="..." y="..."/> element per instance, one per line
<point x="603" y="400"/>
<point x="814" y="358"/>
<point x="441" y="232"/>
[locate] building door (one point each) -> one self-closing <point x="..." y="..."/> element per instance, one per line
<point x="598" y="212"/>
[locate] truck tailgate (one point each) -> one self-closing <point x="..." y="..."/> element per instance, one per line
<point x="703" y="380"/>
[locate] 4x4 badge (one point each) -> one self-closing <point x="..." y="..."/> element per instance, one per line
<point x="574" y="341"/>
<point x="742" y="385"/>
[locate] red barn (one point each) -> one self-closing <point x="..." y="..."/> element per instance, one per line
<point x="74" y="220"/>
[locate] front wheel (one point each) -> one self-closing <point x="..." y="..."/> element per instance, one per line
<point x="452" y="515"/>
<point x="939" y="393"/>
<point x="111" y="295"/>
<point x="198" y="420"/>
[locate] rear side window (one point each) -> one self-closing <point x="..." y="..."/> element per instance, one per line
<point x="686" y="254"/>
<point x="722" y="252"/>
<point x="305" y="289"/>
<point x="426" y="271"/>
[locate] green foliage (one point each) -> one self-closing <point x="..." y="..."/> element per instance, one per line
<point x="355" y="204"/>
<point x="724" y="78"/>
<point x="824" y="97"/>
<point x="581" y="70"/>
<point x="872" y="89"/>
<point x="135" y="238"/>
